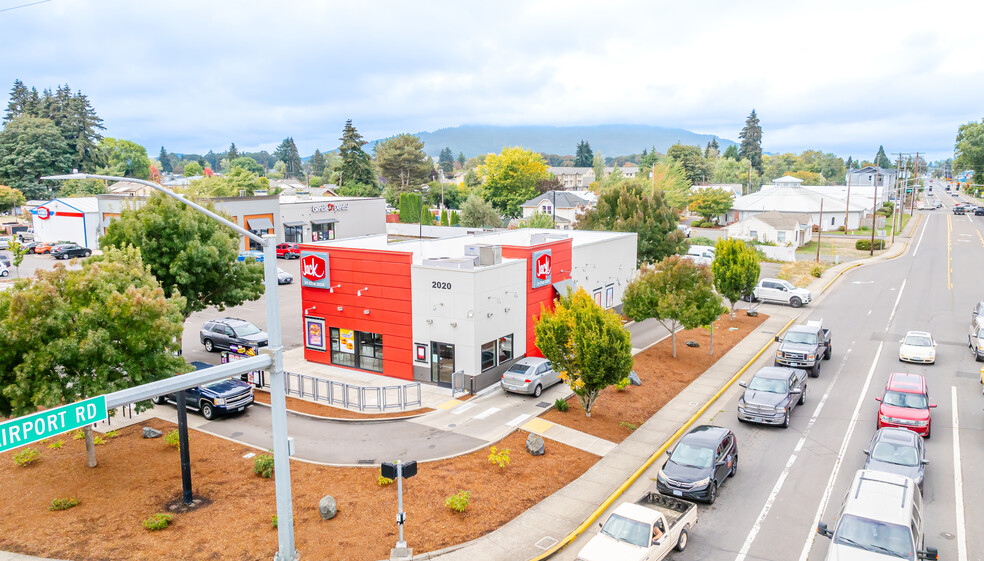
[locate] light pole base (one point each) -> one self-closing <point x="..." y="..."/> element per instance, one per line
<point x="278" y="557"/>
<point x="401" y="554"/>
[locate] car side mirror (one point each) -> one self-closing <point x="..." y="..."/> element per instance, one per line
<point x="866" y="451"/>
<point x="900" y="341"/>
<point x="877" y="399"/>
<point x="778" y="339"/>
<point x="600" y="525"/>
<point x="823" y="531"/>
<point x="925" y="461"/>
<point x="796" y="391"/>
<point x="930" y="553"/>
<point x="932" y="405"/>
<point x="720" y="463"/>
<point x="655" y="541"/>
<point x="743" y="384"/>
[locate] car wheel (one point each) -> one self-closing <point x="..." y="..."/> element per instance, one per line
<point x="208" y="345"/>
<point x="712" y="493"/>
<point x="4" y="273"/>
<point x="977" y="355"/>
<point x="537" y="390"/>
<point x="159" y="400"/>
<point x="682" y="540"/>
<point x="795" y="302"/>
<point x="208" y="411"/>
<point x="802" y="398"/>
<point x="86" y="253"/>
<point x="815" y="371"/>
<point x="827" y="353"/>
<point x="734" y="467"/>
<point x="785" y="421"/>
<point x="46" y="252"/>
<point x="929" y="431"/>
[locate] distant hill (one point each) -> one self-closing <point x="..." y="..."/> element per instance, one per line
<point x="608" y="140"/>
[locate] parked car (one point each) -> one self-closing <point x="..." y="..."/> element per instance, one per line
<point x="700" y="254"/>
<point x="780" y="291"/>
<point x="46" y="247"/>
<point x="289" y="250"/>
<point x="979" y="210"/>
<point x="70" y="250"/>
<point x="905" y="404"/>
<point x="699" y="464"/>
<point x="804" y="346"/>
<point x="228" y="332"/>
<point x="530" y="375"/>
<point x="771" y="395"/>
<point x="5" y="259"/>
<point x="5" y="242"/>
<point x="223" y="397"/>
<point x="256" y="255"/>
<point x="283" y="277"/>
<point x="29" y="246"/>
<point x="901" y="451"/>
<point x="26" y="235"/>
<point x="4" y="269"/>
<point x="975" y="339"/>
<point x="685" y="228"/>
<point x="917" y="346"/>
<point x="630" y="533"/>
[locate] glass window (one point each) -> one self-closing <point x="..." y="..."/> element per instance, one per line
<point x="370" y="351"/>
<point x="505" y="348"/>
<point x="782" y="236"/>
<point x="357" y="349"/>
<point x="340" y="354"/>
<point x="294" y="234"/>
<point x="753" y="234"/>
<point x="321" y="232"/>
<point x="488" y="355"/>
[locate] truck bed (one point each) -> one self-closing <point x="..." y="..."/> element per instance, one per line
<point x="672" y="508"/>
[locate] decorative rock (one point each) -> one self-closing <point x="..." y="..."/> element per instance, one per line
<point x="149" y="432"/>
<point x="751" y="313"/>
<point x="634" y="379"/>
<point x="327" y="507"/>
<point x="535" y="445"/>
<point x="693" y="344"/>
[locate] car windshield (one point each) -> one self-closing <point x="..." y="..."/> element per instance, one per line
<point x="623" y="529"/>
<point x="918" y="341"/>
<point x="899" y="454"/>
<point x="786" y="284"/>
<point x="875" y="536"/>
<point x="770" y="385"/>
<point x="692" y="456"/>
<point x="247" y="330"/>
<point x="905" y="399"/>
<point x="804" y="338"/>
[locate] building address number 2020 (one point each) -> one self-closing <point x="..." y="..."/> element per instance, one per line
<point x="441" y="285"/>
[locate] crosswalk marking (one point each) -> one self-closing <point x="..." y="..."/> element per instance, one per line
<point x="462" y="409"/>
<point x="488" y="412"/>
<point x="518" y="420"/>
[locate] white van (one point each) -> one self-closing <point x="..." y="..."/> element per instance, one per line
<point x="881" y="518"/>
<point x="700" y="254"/>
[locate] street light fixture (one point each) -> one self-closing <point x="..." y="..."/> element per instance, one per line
<point x="278" y="401"/>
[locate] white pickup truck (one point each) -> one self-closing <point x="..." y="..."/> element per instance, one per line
<point x="627" y="535"/>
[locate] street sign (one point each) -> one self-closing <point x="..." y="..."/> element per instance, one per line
<point x="32" y="428"/>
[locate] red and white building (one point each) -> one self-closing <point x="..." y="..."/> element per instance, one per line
<point x="72" y="219"/>
<point x="421" y="310"/>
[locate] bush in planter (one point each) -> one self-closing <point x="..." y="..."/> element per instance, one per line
<point x="459" y="501"/>
<point x="561" y="405"/>
<point x="865" y="245"/>
<point x="158" y="521"/>
<point x="263" y="465"/>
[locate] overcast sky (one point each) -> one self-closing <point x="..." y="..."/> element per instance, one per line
<point x="835" y="76"/>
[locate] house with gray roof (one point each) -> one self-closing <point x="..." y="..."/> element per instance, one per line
<point x="788" y="195"/>
<point x="564" y="206"/>
<point x="781" y="228"/>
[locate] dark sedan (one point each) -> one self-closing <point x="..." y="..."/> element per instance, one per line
<point x="701" y="461"/>
<point x="979" y="211"/>
<point x="899" y="451"/>
<point x="69" y="250"/>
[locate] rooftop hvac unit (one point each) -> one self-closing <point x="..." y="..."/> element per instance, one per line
<point x="450" y="262"/>
<point x="487" y="254"/>
<point x="303" y="195"/>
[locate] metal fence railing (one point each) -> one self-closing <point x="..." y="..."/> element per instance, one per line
<point x="351" y="396"/>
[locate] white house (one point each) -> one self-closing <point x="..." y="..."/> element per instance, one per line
<point x="870" y="175"/>
<point x="787" y="195"/>
<point x="780" y="228"/>
<point x="563" y="205"/>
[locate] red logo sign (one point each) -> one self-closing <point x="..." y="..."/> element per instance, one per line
<point x="43" y="213"/>
<point x="543" y="267"/>
<point x="313" y="268"/>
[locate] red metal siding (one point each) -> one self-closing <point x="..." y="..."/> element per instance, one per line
<point x="386" y="274"/>
<point x="561" y="255"/>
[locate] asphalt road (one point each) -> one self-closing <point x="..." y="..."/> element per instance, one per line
<point x="789" y="479"/>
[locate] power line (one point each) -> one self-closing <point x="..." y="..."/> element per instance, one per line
<point x="24" y="5"/>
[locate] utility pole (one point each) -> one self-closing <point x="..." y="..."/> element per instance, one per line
<point x="874" y="207"/>
<point x="820" y="230"/>
<point x="899" y="189"/>
<point x="912" y="205"/>
<point x="847" y="205"/>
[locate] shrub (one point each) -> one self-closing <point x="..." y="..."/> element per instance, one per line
<point x="27" y="457"/>
<point x="841" y="229"/>
<point x="865" y="245"/>
<point x="62" y="504"/>
<point x="316" y="181"/>
<point x="382" y="481"/>
<point x="817" y="271"/>
<point x="622" y="384"/>
<point x="701" y="240"/>
<point x="112" y="434"/>
<point x="561" y="405"/>
<point x="459" y="501"/>
<point x="98" y="440"/>
<point x="627" y="425"/>
<point x="499" y="457"/>
<point x="56" y="444"/>
<point x="158" y="521"/>
<point x="173" y="439"/>
<point x="78" y="435"/>
<point x="274" y="521"/>
<point x="263" y="465"/>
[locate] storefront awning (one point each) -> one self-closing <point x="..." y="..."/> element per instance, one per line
<point x="262" y="223"/>
<point x="299" y="223"/>
<point x="563" y="286"/>
<point x="324" y="221"/>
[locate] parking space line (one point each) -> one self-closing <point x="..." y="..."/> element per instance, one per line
<point x="958" y="481"/>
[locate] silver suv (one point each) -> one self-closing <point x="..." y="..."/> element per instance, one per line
<point x="231" y="332"/>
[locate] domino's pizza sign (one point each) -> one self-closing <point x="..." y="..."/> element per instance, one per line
<point x="314" y="269"/>
<point x="542" y="264"/>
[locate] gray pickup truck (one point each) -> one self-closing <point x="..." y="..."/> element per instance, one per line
<point x="804" y="346"/>
<point x="771" y="396"/>
<point x="628" y="533"/>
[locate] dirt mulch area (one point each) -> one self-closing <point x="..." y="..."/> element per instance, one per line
<point x="616" y="413"/>
<point x="138" y="477"/>
<point x="328" y="411"/>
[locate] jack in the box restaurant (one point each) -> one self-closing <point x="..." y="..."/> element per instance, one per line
<point x="421" y="310"/>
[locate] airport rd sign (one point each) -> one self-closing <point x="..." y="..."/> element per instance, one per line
<point x="32" y="428"/>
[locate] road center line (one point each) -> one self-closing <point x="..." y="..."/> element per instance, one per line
<point x="958" y="481"/>
<point x="921" y="234"/>
<point x="840" y="454"/>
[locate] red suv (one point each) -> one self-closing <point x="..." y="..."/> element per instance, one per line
<point x="289" y="250"/>
<point x="905" y="404"/>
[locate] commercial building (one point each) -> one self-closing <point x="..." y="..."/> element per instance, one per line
<point x="314" y="219"/>
<point x="424" y="309"/>
<point x="74" y="219"/>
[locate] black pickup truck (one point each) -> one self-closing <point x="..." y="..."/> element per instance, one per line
<point x="804" y="346"/>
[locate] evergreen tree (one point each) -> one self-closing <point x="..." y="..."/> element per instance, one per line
<point x="213" y="160"/>
<point x="356" y="166"/>
<point x="18" y="97"/>
<point x="287" y="153"/>
<point x="32" y="147"/>
<point x="584" y="156"/>
<point x="165" y="159"/>
<point x="461" y="159"/>
<point x="751" y="141"/>
<point x="318" y="163"/>
<point x="731" y="152"/>
<point x="446" y="161"/>
<point x="881" y="160"/>
<point x="233" y="153"/>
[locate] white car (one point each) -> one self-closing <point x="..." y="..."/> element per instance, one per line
<point x="782" y="292"/>
<point x="917" y="346"/>
<point x="685" y="229"/>
<point x="283" y="277"/>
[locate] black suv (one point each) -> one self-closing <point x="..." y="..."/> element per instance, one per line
<point x="701" y="461"/>
<point x="231" y="332"/>
<point x="69" y="250"/>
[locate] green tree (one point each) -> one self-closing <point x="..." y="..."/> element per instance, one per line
<point x="318" y="163"/>
<point x="711" y="202"/>
<point x="454" y="218"/>
<point x="446" y="162"/>
<point x="586" y="343"/>
<point x="695" y="167"/>
<point x="461" y="159"/>
<point x="727" y="170"/>
<point x="212" y="159"/>
<point x="402" y="162"/>
<point x="511" y="178"/>
<point x="18" y="99"/>
<point x="731" y="152"/>
<point x="18" y="251"/>
<point x="287" y="153"/>
<point x="11" y="198"/>
<point x="355" y="165"/>
<point x="969" y="149"/>
<point x="676" y="293"/>
<point x="881" y="160"/>
<point x="538" y="220"/>
<point x="476" y="213"/>
<point x="82" y="188"/>
<point x="232" y="153"/>
<point x="736" y="270"/>
<point x="671" y="180"/>
<point x="751" y="141"/>
<point x="598" y="165"/>
<point x="188" y="253"/>
<point x="472" y="180"/>
<point x="584" y="156"/>
<point x="628" y="207"/>
<point x="232" y="184"/>
<point x="191" y="169"/>
<point x="410" y="207"/>
<point x="246" y="163"/>
<point x="445" y="220"/>
<point x="30" y="148"/>
<point x="648" y="160"/>
<point x="72" y="334"/>
<point x="125" y="158"/>
<point x="165" y="160"/>
<point x="352" y="189"/>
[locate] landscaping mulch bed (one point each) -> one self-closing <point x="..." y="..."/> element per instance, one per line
<point x="616" y="412"/>
<point x="138" y="477"/>
<point x="321" y="410"/>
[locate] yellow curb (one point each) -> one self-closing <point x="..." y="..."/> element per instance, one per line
<point x="537" y="425"/>
<point x="450" y="404"/>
